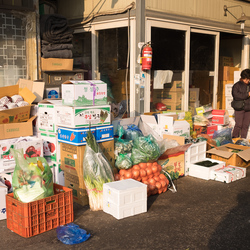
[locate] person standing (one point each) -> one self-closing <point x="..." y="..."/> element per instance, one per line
<point x="240" y="93"/>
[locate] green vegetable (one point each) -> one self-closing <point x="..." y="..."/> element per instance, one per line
<point x="96" y="172"/>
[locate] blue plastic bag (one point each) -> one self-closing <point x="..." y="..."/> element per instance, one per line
<point x="71" y="234"/>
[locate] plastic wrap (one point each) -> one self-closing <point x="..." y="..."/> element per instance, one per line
<point x="123" y="161"/>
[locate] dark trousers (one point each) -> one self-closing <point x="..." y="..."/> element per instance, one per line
<point x="242" y="121"/>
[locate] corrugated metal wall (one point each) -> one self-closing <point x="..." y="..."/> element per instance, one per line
<point x="206" y="9"/>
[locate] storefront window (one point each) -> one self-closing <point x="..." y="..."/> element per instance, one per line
<point x="12" y="49"/>
<point x="112" y="62"/>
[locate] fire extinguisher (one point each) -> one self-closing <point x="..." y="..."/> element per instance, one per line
<point x="146" y="56"/>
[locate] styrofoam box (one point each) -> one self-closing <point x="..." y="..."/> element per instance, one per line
<point x="228" y="89"/>
<point x="228" y="174"/>
<point x="3" y="193"/>
<point x="204" y="172"/>
<point x="124" y="198"/>
<point x="195" y="153"/>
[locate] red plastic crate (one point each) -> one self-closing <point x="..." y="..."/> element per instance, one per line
<point x="29" y="219"/>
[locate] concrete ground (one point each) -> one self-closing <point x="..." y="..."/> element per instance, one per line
<point x="200" y="215"/>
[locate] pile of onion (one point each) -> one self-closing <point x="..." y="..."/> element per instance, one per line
<point x="149" y="174"/>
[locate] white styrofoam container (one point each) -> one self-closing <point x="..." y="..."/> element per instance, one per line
<point x="228" y="174"/>
<point x="58" y="174"/>
<point x="124" y="198"/>
<point x="228" y="89"/>
<point x="195" y="153"/>
<point x="3" y="193"/>
<point x="204" y="172"/>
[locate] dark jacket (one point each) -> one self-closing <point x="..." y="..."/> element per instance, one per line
<point x="239" y="92"/>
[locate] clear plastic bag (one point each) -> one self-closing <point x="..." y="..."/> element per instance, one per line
<point x="97" y="171"/>
<point x="71" y="234"/>
<point x="123" y="161"/>
<point x="123" y="146"/>
<point x="32" y="178"/>
<point x="145" y="149"/>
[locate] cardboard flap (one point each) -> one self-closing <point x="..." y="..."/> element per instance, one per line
<point x="27" y="95"/>
<point x="222" y="153"/>
<point x="9" y="91"/>
<point x="38" y="90"/>
<point x="245" y="155"/>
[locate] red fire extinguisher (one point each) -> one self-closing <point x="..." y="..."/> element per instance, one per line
<point x="146" y="56"/>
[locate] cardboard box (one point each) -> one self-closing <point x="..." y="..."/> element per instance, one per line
<point x="211" y="129"/>
<point x="47" y="115"/>
<point x="76" y="117"/>
<point x="72" y="156"/>
<point x="194" y="94"/>
<point x="228" y="174"/>
<point x="84" y="93"/>
<point x="51" y="147"/>
<point x="174" y="161"/>
<point x="37" y="88"/>
<point x="226" y="61"/>
<point x="3" y="193"/>
<point x="172" y="106"/>
<point x="58" y="174"/>
<point x="32" y="147"/>
<point x="173" y="86"/>
<point x="14" y="130"/>
<point x="232" y="154"/>
<point x="53" y="64"/>
<point x="19" y="114"/>
<point x="226" y="73"/>
<point x="76" y="183"/>
<point x="200" y="129"/>
<point x="168" y="125"/>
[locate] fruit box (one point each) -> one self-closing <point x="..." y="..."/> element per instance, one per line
<point x="33" y="218"/>
<point x="78" y="117"/>
<point x="235" y="155"/>
<point x="19" y="114"/>
<point x="84" y="93"/>
<point x="14" y="130"/>
<point x="31" y="146"/>
<point x="228" y="174"/>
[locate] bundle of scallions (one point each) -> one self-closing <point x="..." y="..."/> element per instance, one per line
<point x="96" y="172"/>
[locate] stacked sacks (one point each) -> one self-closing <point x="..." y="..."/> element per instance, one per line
<point x="56" y="37"/>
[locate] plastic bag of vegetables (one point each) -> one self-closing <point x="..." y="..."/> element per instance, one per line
<point x="223" y="136"/>
<point x="145" y="149"/>
<point x="123" y="146"/>
<point x="32" y="178"/>
<point x="123" y="161"/>
<point x="96" y="172"/>
<point x="132" y="132"/>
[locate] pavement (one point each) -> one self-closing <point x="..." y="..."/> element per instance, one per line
<point x="200" y="215"/>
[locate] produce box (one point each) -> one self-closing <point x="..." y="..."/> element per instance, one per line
<point x="58" y="174"/>
<point x="173" y="160"/>
<point x="76" y="183"/>
<point x="31" y="146"/>
<point x="232" y="154"/>
<point x="3" y="193"/>
<point x="13" y="130"/>
<point x="104" y="133"/>
<point x="19" y="114"/>
<point x="84" y="93"/>
<point x="51" y="146"/>
<point x="33" y="218"/>
<point x="74" y="136"/>
<point x="194" y="94"/>
<point x="173" y="86"/>
<point x="72" y="156"/>
<point x="124" y="198"/>
<point x="228" y="174"/>
<point x="53" y="64"/>
<point x="76" y="117"/>
<point x="47" y="115"/>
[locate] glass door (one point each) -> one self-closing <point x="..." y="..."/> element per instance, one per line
<point x="203" y="74"/>
<point x="167" y="82"/>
